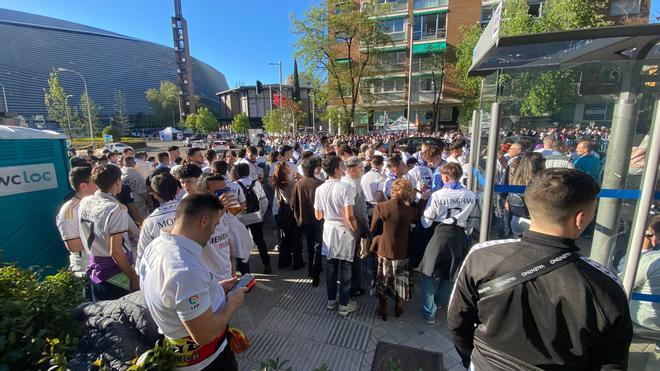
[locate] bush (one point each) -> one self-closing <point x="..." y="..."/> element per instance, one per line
<point x="111" y="130"/>
<point x="34" y="311"/>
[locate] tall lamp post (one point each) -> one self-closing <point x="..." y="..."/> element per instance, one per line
<point x="89" y="111"/>
<point x="68" y="119"/>
<point x="4" y="96"/>
<point x="280" y="67"/>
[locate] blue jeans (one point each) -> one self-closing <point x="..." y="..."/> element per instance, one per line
<point x="339" y="269"/>
<point x="432" y="297"/>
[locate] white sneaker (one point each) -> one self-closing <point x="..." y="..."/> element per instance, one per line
<point x="345" y="310"/>
<point x="332" y="304"/>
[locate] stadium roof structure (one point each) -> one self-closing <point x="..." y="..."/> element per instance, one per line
<point x="568" y="48"/>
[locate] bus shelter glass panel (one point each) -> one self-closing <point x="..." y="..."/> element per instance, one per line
<point x="597" y="118"/>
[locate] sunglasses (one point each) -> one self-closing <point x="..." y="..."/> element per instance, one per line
<point x="649" y="235"/>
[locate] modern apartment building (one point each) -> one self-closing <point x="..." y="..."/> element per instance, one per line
<point x="435" y="30"/>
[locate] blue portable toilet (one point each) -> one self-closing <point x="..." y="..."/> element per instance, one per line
<point x="33" y="182"/>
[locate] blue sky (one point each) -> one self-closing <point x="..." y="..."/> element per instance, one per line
<point x="238" y="38"/>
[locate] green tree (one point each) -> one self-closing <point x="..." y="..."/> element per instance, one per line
<point x="83" y="120"/>
<point x="121" y="119"/>
<point x="328" y="45"/>
<point x="537" y="93"/>
<point x="277" y="121"/>
<point x="165" y="102"/>
<point x="111" y="130"/>
<point x="57" y="105"/>
<point x="203" y="121"/>
<point x="240" y="123"/>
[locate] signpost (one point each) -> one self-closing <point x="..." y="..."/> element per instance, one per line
<point x="107" y="138"/>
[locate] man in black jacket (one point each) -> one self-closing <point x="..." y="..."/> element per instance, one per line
<point x="572" y="317"/>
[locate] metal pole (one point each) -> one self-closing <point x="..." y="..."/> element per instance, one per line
<point x="409" y="78"/>
<point x="487" y="205"/>
<point x="474" y="163"/>
<point x="4" y="96"/>
<point x="270" y="90"/>
<point x="68" y="119"/>
<point x="644" y="204"/>
<point x="89" y="111"/>
<point x="313" y="120"/>
<point x="615" y="172"/>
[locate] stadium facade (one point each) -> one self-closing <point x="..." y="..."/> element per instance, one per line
<point x="33" y="45"/>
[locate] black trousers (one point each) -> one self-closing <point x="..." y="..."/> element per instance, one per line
<point x="314" y="236"/>
<point x="257" y="231"/>
<point x="226" y="361"/>
<point x="107" y="291"/>
<point x="290" y="247"/>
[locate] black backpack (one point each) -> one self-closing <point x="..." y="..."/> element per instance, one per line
<point x="251" y="199"/>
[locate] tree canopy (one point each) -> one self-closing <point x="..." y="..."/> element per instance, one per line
<point x="536" y="94"/>
<point x="165" y="102"/>
<point x="203" y="121"/>
<point x="240" y="123"/>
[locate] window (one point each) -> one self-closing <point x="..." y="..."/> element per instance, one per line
<point x="487" y="13"/>
<point x="393" y="61"/>
<point x="426" y="84"/>
<point x="387" y="85"/>
<point x="535" y="8"/>
<point x="393" y="25"/>
<point x="624" y="7"/>
<point x="425" y="4"/>
<point x="430" y="26"/>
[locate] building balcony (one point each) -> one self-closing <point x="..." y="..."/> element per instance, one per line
<point x="428" y="4"/>
<point x="426" y="36"/>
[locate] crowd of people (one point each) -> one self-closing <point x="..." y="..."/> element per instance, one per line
<point x="181" y="229"/>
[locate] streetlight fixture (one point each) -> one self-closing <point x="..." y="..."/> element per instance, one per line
<point x="89" y="111"/>
<point x="68" y="119"/>
<point x="4" y="96"/>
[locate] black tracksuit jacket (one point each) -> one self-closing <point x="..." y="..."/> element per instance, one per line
<point x="575" y="317"/>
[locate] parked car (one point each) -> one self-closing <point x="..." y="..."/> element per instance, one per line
<point x="188" y="141"/>
<point x="413" y="143"/>
<point x="116" y="147"/>
<point x="199" y="144"/>
<point x="220" y="145"/>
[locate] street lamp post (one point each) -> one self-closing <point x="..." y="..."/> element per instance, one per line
<point x="313" y="95"/>
<point x="410" y="57"/>
<point x="281" y="92"/>
<point x="68" y="119"/>
<point x="4" y="96"/>
<point x="89" y="111"/>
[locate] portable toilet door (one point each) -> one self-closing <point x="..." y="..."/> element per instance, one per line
<point x="33" y="183"/>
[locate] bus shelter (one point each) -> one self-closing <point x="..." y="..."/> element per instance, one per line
<point x="609" y="83"/>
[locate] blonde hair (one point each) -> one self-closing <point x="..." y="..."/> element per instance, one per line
<point x="402" y="190"/>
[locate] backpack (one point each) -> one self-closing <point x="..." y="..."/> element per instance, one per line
<point x="251" y="199"/>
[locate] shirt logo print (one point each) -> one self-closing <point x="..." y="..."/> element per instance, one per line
<point x="194" y="302"/>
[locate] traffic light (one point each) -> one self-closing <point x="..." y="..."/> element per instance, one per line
<point x="260" y="87"/>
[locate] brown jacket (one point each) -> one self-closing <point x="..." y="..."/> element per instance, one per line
<point x="397" y="218"/>
<point x="302" y="200"/>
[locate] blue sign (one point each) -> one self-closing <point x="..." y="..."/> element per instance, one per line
<point x="654" y="11"/>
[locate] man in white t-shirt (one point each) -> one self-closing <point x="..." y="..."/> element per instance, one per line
<point x="256" y="204"/>
<point x="106" y="230"/>
<point x="68" y="220"/>
<point x="333" y="202"/>
<point x="397" y="169"/>
<point x="132" y="177"/>
<point x="256" y="173"/>
<point x="372" y="182"/>
<point x="192" y="310"/>
<point x="165" y="189"/>
<point x="217" y="253"/>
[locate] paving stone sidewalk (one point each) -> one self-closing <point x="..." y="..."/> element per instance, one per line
<point x="285" y="317"/>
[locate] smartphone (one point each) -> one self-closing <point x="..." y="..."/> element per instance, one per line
<point x="247" y="280"/>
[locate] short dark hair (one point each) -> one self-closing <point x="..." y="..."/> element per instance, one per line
<point x="79" y="175"/>
<point x="555" y="194"/>
<point x="459" y="144"/>
<point x="173" y="148"/>
<point x="129" y="161"/>
<point x="192" y="151"/>
<point x="126" y="150"/>
<point x="431" y="151"/>
<point x="377" y="160"/>
<point x="285" y="148"/>
<point x="394" y="161"/>
<point x="330" y="164"/>
<point x="105" y="176"/>
<point x="205" y="179"/>
<point x="190" y="171"/>
<point x="197" y="205"/>
<point x="220" y="167"/>
<point x="309" y="165"/>
<point x="242" y="170"/>
<point x="211" y="155"/>
<point x="345" y="148"/>
<point x="165" y="186"/>
<point x="251" y="149"/>
<point x="411" y="162"/>
<point x="162" y="156"/>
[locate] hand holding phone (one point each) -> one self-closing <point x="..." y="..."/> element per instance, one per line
<point x="248" y="281"/>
